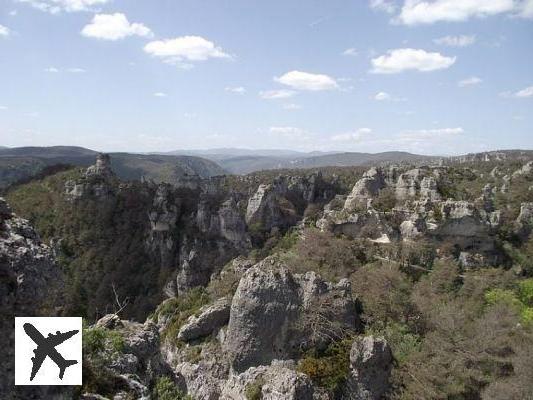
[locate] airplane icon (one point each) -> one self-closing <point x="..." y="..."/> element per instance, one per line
<point x="46" y="347"/>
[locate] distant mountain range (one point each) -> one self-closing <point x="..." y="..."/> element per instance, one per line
<point x="242" y="161"/>
<point x="23" y="162"/>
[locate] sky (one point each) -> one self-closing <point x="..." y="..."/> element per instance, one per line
<point x="425" y="76"/>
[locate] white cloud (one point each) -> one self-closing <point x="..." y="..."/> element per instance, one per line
<point x="3" y="108"/>
<point x="289" y="132"/>
<point x="416" y="12"/>
<point x="52" y="70"/>
<point x="382" y="96"/>
<point x="56" y="6"/>
<point x="307" y="81"/>
<point x="236" y="90"/>
<point x="160" y="94"/>
<point x="472" y="81"/>
<point x="114" y="27"/>
<point x="350" y="52"/>
<point x="400" y="60"/>
<point x="526" y="10"/>
<point x="4" y="31"/>
<point x="276" y="94"/>
<point x="387" y="6"/>
<point x="527" y="92"/>
<point x="292" y="107"/>
<point x="184" y="48"/>
<point x="76" y="70"/>
<point x="456" y="41"/>
<point x="356" y="136"/>
<point x="521" y="94"/>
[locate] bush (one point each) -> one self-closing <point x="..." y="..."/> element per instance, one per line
<point x="165" y="389"/>
<point x="99" y="340"/>
<point x="253" y="390"/>
<point x="328" y="369"/>
<point x="179" y="309"/>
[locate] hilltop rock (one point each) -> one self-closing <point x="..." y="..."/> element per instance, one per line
<point x="96" y="181"/>
<point x="102" y="167"/>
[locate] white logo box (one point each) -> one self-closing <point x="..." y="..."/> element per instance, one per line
<point x="69" y="350"/>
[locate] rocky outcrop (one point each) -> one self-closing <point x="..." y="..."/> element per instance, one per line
<point x="524" y="222"/>
<point x="275" y="314"/>
<point x="272" y="382"/>
<point x="366" y="188"/>
<point x="97" y="181"/>
<point x="370" y="369"/>
<point x="31" y="284"/>
<point x="210" y="319"/>
<point x="102" y="167"/>
<point x="268" y="208"/>
<point x="525" y="170"/>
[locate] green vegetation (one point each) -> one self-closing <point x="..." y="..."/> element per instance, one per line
<point x="100" y="347"/>
<point x="178" y="309"/>
<point x="165" y="389"/>
<point x="329" y="368"/>
<point x="253" y="390"/>
<point x="98" y="340"/>
<point x="520" y="299"/>
<point x="102" y="244"/>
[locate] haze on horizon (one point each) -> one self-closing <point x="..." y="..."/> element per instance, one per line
<point x="436" y="77"/>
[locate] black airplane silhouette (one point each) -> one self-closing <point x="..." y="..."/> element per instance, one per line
<point x="46" y="347"/>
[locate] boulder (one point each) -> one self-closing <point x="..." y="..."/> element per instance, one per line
<point x="210" y="319"/>
<point x="109" y="321"/>
<point x="273" y="382"/>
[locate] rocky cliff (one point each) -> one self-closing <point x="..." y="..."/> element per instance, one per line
<point x="298" y="286"/>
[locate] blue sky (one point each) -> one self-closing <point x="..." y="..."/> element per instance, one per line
<point x="432" y="77"/>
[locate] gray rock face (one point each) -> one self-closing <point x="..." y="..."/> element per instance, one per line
<point x="226" y="222"/>
<point x="101" y="168"/>
<point x="95" y="181"/>
<point x="524" y="222"/>
<point x="275" y="382"/>
<point x="274" y="314"/>
<point x="211" y="318"/>
<point x="31" y="284"/>
<point x="109" y="321"/>
<point x="268" y="208"/>
<point x="525" y="170"/>
<point x="371" y="365"/>
<point x="367" y="187"/>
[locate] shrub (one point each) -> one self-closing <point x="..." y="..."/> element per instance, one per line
<point x="253" y="390"/>
<point x="165" y="389"/>
<point x="179" y="309"/>
<point x="328" y="369"/>
<point x="100" y="340"/>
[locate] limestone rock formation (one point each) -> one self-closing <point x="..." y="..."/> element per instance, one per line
<point x="371" y="365"/>
<point x="210" y="319"/>
<point x="273" y="382"/>
<point x="31" y="284"/>
<point x="275" y="313"/>
<point x="367" y="187"/>
<point x="96" y="180"/>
